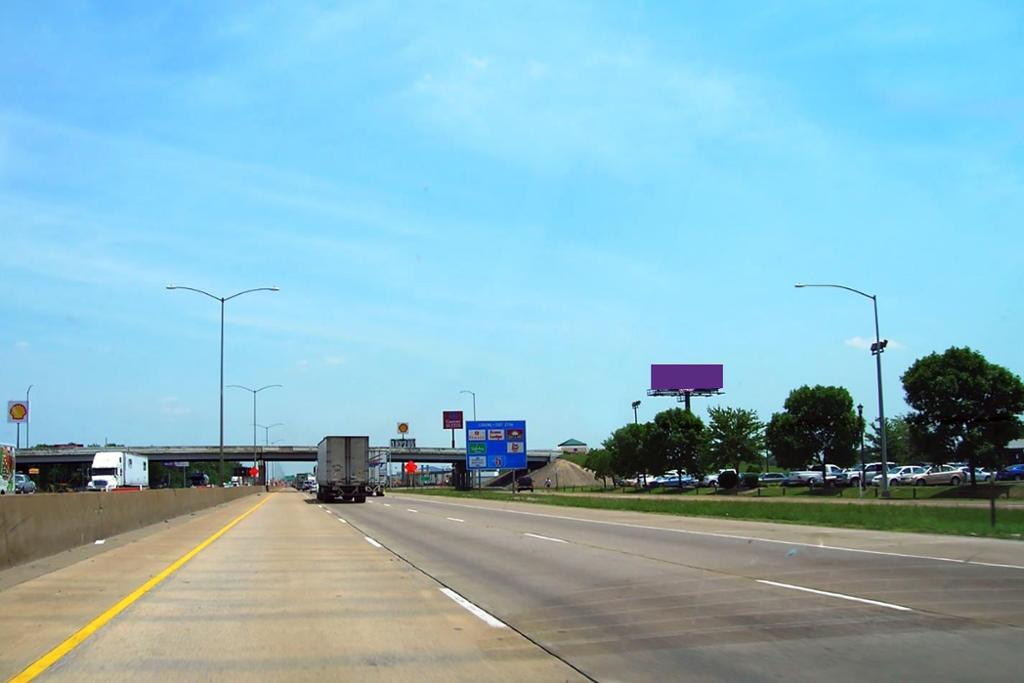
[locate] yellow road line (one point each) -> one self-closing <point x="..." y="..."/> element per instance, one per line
<point x="53" y="656"/>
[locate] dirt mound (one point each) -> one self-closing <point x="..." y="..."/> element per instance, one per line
<point x="563" y="473"/>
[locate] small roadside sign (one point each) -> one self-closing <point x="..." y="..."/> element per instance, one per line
<point x="410" y="467"/>
<point x="17" y="411"/>
<point x="254" y="472"/>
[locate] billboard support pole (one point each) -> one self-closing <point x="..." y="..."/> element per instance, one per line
<point x="453" y="438"/>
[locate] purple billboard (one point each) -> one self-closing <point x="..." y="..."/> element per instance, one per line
<point x="686" y="377"/>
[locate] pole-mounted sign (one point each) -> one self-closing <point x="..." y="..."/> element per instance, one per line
<point x="17" y="412"/>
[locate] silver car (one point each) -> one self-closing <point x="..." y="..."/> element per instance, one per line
<point x="22" y="484"/>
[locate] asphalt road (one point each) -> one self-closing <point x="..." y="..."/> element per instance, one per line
<point x="424" y="589"/>
<point x="632" y="597"/>
<point x="288" y="593"/>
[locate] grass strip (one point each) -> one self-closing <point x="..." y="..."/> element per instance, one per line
<point x="882" y="517"/>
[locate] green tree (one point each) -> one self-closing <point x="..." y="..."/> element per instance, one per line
<point x="817" y="426"/>
<point x="624" y="450"/>
<point x="965" y="408"/>
<point x="899" y="447"/>
<point x="599" y="461"/>
<point x="679" y="437"/>
<point x="734" y="435"/>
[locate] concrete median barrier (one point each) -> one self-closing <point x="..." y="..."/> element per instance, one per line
<point x="45" y="524"/>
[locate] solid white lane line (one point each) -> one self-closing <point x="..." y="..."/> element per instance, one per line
<point x="735" y="537"/>
<point x="342" y="521"/>
<point x="841" y="596"/>
<point x="545" y="538"/>
<point x="454" y="519"/>
<point x="372" y="542"/>
<point x="480" y="614"/>
<point x="410" y="510"/>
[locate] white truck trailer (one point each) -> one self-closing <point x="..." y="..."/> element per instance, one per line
<point x="343" y="469"/>
<point x="6" y="469"/>
<point x="118" y="469"/>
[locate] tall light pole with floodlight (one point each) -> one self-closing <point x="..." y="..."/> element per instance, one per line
<point x="876" y="350"/>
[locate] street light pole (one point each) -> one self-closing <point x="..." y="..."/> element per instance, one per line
<point x="222" y="300"/>
<point x="473" y="393"/>
<point x="478" y="481"/>
<point x="255" y="448"/>
<point x="636" y="420"/>
<point x="876" y="351"/>
<point x="266" y="432"/>
<point x="28" y="422"/>
<point x="860" y="427"/>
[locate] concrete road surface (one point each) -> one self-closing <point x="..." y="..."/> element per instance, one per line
<point x="289" y="593"/>
<point x="632" y="597"/>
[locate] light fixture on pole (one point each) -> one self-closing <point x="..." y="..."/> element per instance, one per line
<point x="636" y="420"/>
<point x="255" y="448"/>
<point x="876" y="350"/>
<point x="223" y="300"/>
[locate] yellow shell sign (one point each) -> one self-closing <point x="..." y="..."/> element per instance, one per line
<point x="403" y="427"/>
<point x="17" y="411"/>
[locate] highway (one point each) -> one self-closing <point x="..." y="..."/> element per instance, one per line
<point x="633" y="597"/>
<point x="419" y="588"/>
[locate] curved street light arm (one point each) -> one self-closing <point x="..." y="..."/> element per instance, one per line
<point x="849" y="289"/>
<point x="193" y="289"/>
<point x="257" y="289"/>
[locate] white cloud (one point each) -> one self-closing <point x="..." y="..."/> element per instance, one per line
<point x="22" y="345"/>
<point x="171" y="407"/>
<point x="334" y="360"/>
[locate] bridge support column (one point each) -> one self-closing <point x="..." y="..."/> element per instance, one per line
<point x="462" y="478"/>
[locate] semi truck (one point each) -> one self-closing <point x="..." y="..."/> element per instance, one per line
<point x="6" y="469"/>
<point x="343" y="469"/>
<point x="113" y="470"/>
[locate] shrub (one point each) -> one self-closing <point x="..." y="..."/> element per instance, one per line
<point x="728" y="480"/>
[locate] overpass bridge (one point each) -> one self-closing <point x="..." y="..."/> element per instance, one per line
<point x="280" y="453"/>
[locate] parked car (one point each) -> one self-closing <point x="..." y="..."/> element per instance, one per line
<point x="893" y="476"/>
<point x="940" y="474"/>
<point x="673" y="480"/>
<point x="22" y="484"/>
<point x="524" y="483"/>
<point x="912" y="475"/>
<point x="772" y="477"/>
<point x="871" y="469"/>
<point x="1011" y="473"/>
<point x="835" y="475"/>
<point x="980" y="473"/>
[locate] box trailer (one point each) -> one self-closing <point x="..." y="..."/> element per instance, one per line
<point x="343" y="469"/>
<point x="117" y="470"/>
<point x="6" y="469"/>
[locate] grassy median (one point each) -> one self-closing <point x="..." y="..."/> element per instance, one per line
<point x="924" y="519"/>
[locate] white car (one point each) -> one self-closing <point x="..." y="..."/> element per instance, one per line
<point x="895" y="475"/>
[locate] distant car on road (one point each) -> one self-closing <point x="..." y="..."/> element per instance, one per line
<point x="22" y="484"/>
<point x="1011" y="473"/>
<point x="772" y="477"/>
<point x="524" y="483"/>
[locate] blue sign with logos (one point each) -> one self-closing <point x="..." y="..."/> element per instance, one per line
<point x="496" y="445"/>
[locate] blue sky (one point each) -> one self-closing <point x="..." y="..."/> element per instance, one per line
<point x="533" y="201"/>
